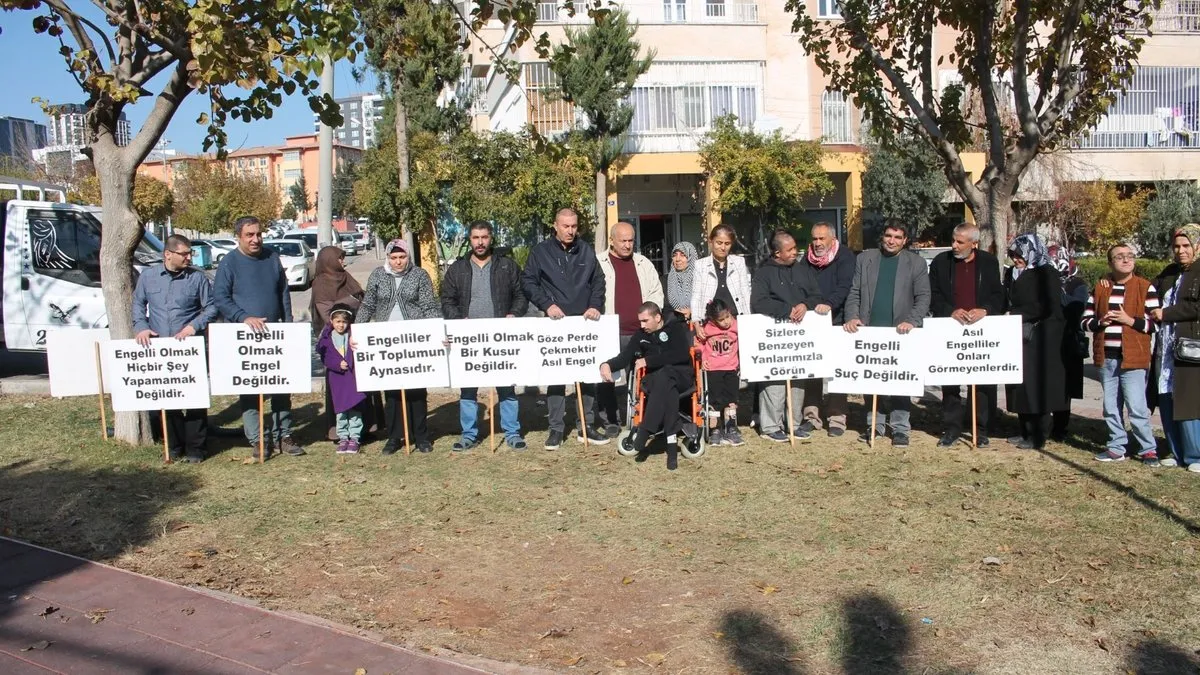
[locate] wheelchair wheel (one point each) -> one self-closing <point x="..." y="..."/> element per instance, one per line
<point x="625" y="443"/>
<point x="693" y="444"/>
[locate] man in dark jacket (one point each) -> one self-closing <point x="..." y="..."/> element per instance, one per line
<point x="662" y="347"/>
<point x="562" y="278"/>
<point x="484" y="286"/>
<point x="833" y="265"/>
<point x="783" y="290"/>
<point x="965" y="285"/>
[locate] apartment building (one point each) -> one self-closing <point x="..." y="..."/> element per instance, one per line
<point x="281" y="166"/>
<point x="361" y="113"/>
<point x="715" y="57"/>
<point x="19" y="137"/>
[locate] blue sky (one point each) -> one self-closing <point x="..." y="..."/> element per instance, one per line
<point x="33" y="67"/>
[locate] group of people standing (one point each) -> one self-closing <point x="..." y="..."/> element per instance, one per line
<point x="1145" y="334"/>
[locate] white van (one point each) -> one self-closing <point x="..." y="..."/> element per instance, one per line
<point x="51" y="268"/>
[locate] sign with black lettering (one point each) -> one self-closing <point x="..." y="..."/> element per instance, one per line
<point x="571" y="349"/>
<point x="772" y="349"/>
<point x="879" y="361"/>
<point x="493" y="352"/>
<point x="170" y="374"/>
<point x="277" y="360"/>
<point x="988" y="351"/>
<point x="400" y="354"/>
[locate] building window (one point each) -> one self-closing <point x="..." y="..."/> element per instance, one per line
<point x="292" y="175"/>
<point x="836" y="113"/>
<point x="262" y="161"/>
<point x="829" y="9"/>
<point x="291" y="156"/>
<point x="547" y="113"/>
<point x="674" y="11"/>
<point x="1159" y="109"/>
<point x="678" y="108"/>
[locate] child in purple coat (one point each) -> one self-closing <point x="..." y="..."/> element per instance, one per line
<point x="336" y="353"/>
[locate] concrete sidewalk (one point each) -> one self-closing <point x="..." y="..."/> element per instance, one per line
<point x="62" y="614"/>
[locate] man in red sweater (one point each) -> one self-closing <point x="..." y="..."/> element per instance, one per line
<point x="630" y="280"/>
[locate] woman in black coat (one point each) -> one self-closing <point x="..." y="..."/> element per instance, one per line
<point x="1035" y="294"/>
<point x="1075" y="293"/>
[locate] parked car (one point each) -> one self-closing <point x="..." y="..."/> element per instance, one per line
<point x="930" y="253"/>
<point x="309" y="237"/>
<point x="366" y="240"/>
<point x="220" y="247"/>
<point x="297" y="260"/>
<point x="348" y="242"/>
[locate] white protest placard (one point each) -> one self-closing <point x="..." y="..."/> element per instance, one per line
<point x="170" y="374"/>
<point x="879" y="361"/>
<point x="71" y="357"/>
<point x="277" y="360"/>
<point x="494" y="352"/>
<point x="772" y="349"/>
<point x="572" y="348"/>
<point x="406" y="354"/>
<point x="988" y="351"/>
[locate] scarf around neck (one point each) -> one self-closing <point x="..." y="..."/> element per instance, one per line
<point x="822" y="261"/>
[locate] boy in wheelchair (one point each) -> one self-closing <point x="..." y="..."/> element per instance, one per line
<point x="663" y="348"/>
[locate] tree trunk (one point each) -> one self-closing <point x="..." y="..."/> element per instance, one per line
<point x="994" y="218"/>
<point x="426" y="240"/>
<point x="601" y="234"/>
<point x="120" y="234"/>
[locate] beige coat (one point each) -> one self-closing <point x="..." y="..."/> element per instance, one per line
<point x="648" y="281"/>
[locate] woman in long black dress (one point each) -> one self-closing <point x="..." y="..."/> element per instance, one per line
<point x="1074" y="343"/>
<point x="1035" y="294"/>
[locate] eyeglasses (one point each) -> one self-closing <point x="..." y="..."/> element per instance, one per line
<point x="182" y="254"/>
<point x="1124" y="257"/>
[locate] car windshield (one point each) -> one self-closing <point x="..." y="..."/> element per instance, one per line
<point x="288" y="248"/>
<point x="309" y="238"/>
<point x="346" y="237"/>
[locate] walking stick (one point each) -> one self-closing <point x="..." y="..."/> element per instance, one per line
<point x="874" y="414"/>
<point x="100" y="396"/>
<point x="404" y="416"/>
<point x="582" y="421"/>
<point x="262" y="442"/>
<point x="791" y="427"/>
<point x="492" y="417"/>
<point x="166" y="450"/>
<point x="974" y="421"/>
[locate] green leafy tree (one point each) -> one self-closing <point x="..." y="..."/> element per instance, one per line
<point x="288" y="212"/>
<point x="1174" y="203"/>
<point x="904" y="181"/>
<point x="1066" y="63"/>
<point x="597" y="68"/>
<point x="209" y="198"/>
<point x="298" y="196"/>
<point x="243" y="57"/>
<point x="764" y="178"/>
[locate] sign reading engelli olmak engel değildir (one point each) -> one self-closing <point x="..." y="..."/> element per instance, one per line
<point x="277" y="360"/>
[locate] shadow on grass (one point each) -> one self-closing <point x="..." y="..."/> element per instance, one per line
<point x="97" y="514"/>
<point x="1160" y="658"/>
<point x="756" y="647"/>
<point x="877" y="636"/>
<point x="1191" y="526"/>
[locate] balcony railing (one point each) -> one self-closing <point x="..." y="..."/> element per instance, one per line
<point x="664" y="11"/>
<point x="1177" y="16"/>
<point x="837" y="115"/>
<point x="1160" y="109"/>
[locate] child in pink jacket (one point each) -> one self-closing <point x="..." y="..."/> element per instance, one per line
<point x="719" y="349"/>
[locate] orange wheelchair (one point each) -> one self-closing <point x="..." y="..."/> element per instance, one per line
<point x="693" y="412"/>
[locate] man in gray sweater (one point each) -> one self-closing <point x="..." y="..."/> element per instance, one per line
<point x="890" y="288"/>
<point x="251" y="288"/>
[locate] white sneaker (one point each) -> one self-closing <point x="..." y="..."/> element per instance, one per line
<point x="1168" y="462"/>
<point x="1194" y="467"/>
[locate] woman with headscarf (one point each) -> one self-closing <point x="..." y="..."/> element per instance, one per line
<point x="1035" y="294"/>
<point x="398" y="291"/>
<point x="1074" y="343"/>
<point x="1174" y="384"/>
<point x="333" y="285"/>
<point x="679" y="279"/>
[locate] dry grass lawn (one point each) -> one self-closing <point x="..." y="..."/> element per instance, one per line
<point x="830" y="558"/>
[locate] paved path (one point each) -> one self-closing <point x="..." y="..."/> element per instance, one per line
<point x="152" y="626"/>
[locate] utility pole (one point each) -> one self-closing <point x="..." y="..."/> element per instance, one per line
<point x="325" y="235"/>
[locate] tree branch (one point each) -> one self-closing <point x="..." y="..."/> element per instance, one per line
<point x="75" y="24"/>
<point x="984" y="54"/>
<point x="1025" y="113"/>
<point x="926" y="59"/>
<point x="168" y="101"/>
<point x="179" y="49"/>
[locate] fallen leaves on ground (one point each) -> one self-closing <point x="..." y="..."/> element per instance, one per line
<point x="39" y="645"/>
<point x="47" y="612"/>
<point x="97" y="615"/>
<point x="766" y="588"/>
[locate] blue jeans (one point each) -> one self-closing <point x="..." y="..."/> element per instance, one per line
<point x="468" y="413"/>
<point x="1126" y="388"/>
<point x="1183" y="437"/>
<point x="278" y="422"/>
<point x="900" y="408"/>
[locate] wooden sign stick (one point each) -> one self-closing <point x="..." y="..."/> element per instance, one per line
<point x="404" y="416"/>
<point x="166" y="448"/>
<point x="791" y="427"/>
<point x="100" y="396"/>
<point x="582" y="420"/>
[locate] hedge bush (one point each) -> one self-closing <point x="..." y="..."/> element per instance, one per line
<point x="1094" y="267"/>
